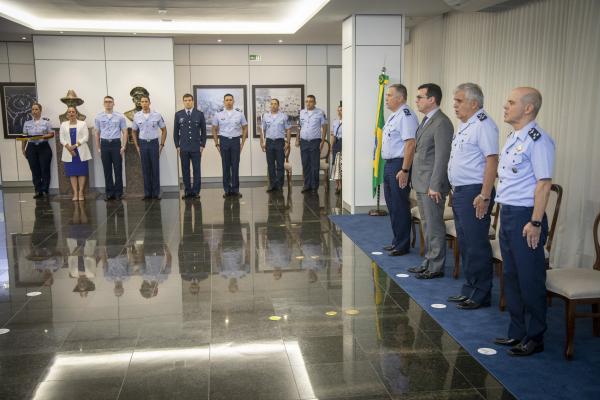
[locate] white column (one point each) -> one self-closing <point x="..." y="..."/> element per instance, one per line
<point x="369" y="42"/>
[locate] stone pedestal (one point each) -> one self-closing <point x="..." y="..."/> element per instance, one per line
<point x="133" y="170"/>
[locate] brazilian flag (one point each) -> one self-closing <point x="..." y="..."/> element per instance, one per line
<point x="378" y="162"/>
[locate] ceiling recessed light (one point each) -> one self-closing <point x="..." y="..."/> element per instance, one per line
<point x="162" y="11"/>
<point x="61" y="32"/>
<point x="166" y="20"/>
<point x="134" y="33"/>
<point x="280" y="41"/>
<point x="219" y="40"/>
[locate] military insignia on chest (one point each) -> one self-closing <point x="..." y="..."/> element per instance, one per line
<point x="534" y="134"/>
<point x="481" y="116"/>
<point x="407" y="112"/>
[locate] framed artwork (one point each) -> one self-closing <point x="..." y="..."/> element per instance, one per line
<point x="290" y="98"/>
<point x="209" y="100"/>
<point x="17" y="99"/>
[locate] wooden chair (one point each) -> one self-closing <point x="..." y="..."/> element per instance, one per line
<point x="416" y="220"/>
<point x="324" y="162"/>
<point x="452" y="237"/>
<point x="577" y="286"/>
<point x="287" y="166"/>
<point x="497" y="255"/>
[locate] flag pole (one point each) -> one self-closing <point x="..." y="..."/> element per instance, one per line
<point x="378" y="212"/>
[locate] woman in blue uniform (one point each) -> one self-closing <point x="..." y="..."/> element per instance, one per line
<point x="38" y="152"/>
<point x="74" y="135"/>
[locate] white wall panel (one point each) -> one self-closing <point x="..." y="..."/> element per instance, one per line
<point x="20" y="53"/>
<point x="183" y="84"/>
<point x="139" y="48"/>
<point x="4" y="73"/>
<point x="348" y="153"/>
<point x="22" y="73"/>
<point x="88" y="79"/>
<point x="3" y="53"/>
<point x="158" y="78"/>
<point x="316" y="84"/>
<point x="378" y="30"/>
<point x="181" y="54"/>
<point x="279" y="55"/>
<point x="316" y="55"/>
<point x="334" y="55"/>
<point x="68" y="47"/>
<point x="219" y="55"/>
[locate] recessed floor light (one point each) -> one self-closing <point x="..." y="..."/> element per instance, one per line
<point x="4" y="331"/>
<point x="486" y="351"/>
<point x="24" y="38"/>
<point x="440" y="306"/>
<point x="33" y="294"/>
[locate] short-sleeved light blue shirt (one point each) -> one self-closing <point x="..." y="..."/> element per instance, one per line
<point x="527" y="156"/>
<point x="275" y="125"/>
<point x="230" y="122"/>
<point x="399" y="127"/>
<point x="311" y="123"/>
<point x="149" y="125"/>
<point x="36" y="128"/>
<point x="475" y="140"/>
<point x="336" y="130"/>
<point x="110" y="125"/>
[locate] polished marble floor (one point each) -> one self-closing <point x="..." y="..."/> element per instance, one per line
<point x="256" y="298"/>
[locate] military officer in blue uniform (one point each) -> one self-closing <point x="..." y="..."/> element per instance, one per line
<point x="189" y="135"/>
<point x="149" y="123"/>
<point x="276" y="128"/>
<point x="398" y="149"/>
<point x="111" y="140"/>
<point x="228" y="126"/>
<point x="524" y="181"/>
<point x="472" y="170"/>
<point x="313" y="130"/>
<point x="38" y="152"/>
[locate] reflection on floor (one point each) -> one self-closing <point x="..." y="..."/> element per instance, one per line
<point x="256" y="298"/>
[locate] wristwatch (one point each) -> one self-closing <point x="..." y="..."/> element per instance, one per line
<point x="405" y="171"/>
<point x="537" y="224"/>
<point x="482" y="197"/>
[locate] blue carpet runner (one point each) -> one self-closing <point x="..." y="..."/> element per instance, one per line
<point x="546" y="375"/>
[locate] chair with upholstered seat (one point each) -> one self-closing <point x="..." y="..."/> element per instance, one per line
<point x="577" y="286"/>
<point x="497" y="255"/>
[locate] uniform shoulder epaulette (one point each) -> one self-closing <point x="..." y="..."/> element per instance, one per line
<point x="237" y="109"/>
<point x="534" y="134"/>
<point x="407" y="112"/>
<point x="46" y="118"/>
<point x="481" y="116"/>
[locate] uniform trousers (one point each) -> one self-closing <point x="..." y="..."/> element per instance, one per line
<point x="230" y="160"/>
<point x="432" y="221"/>
<point x="275" y="159"/>
<point x="193" y="157"/>
<point x="310" y="153"/>
<point x="150" y="167"/>
<point x="398" y="204"/>
<point x="524" y="275"/>
<point x="39" y="157"/>
<point x="110" y="153"/>
<point x="473" y="242"/>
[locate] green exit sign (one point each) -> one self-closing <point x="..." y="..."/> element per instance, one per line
<point x="254" y="57"/>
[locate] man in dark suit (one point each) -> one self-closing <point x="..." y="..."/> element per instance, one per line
<point x="190" y="138"/>
<point x="430" y="178"/>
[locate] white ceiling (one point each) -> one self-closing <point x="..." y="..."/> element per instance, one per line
<point x="322" y="28"/>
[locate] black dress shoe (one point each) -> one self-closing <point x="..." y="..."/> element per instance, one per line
<point x="272" y="189"/>
<point x="389" y="248"/>
<point x="118" y="198"/>
<point x="147" y="198"/>
<point x="429" y="275"/>
<point x="38" y="195"/>
<point x="304" y="190"/>
<point x="457" y="299"/>
<point x="506" y="341"/>
<point x="195" y="196"/>
<point x="417" y="270"/>
<point x="225" y="195"/>
<point x="185" y="196"/>
<point x="108" y="198"/>
<point x="526" y="349"/>
<point x="471" y="305"/>
<point x="396" y="253"/>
